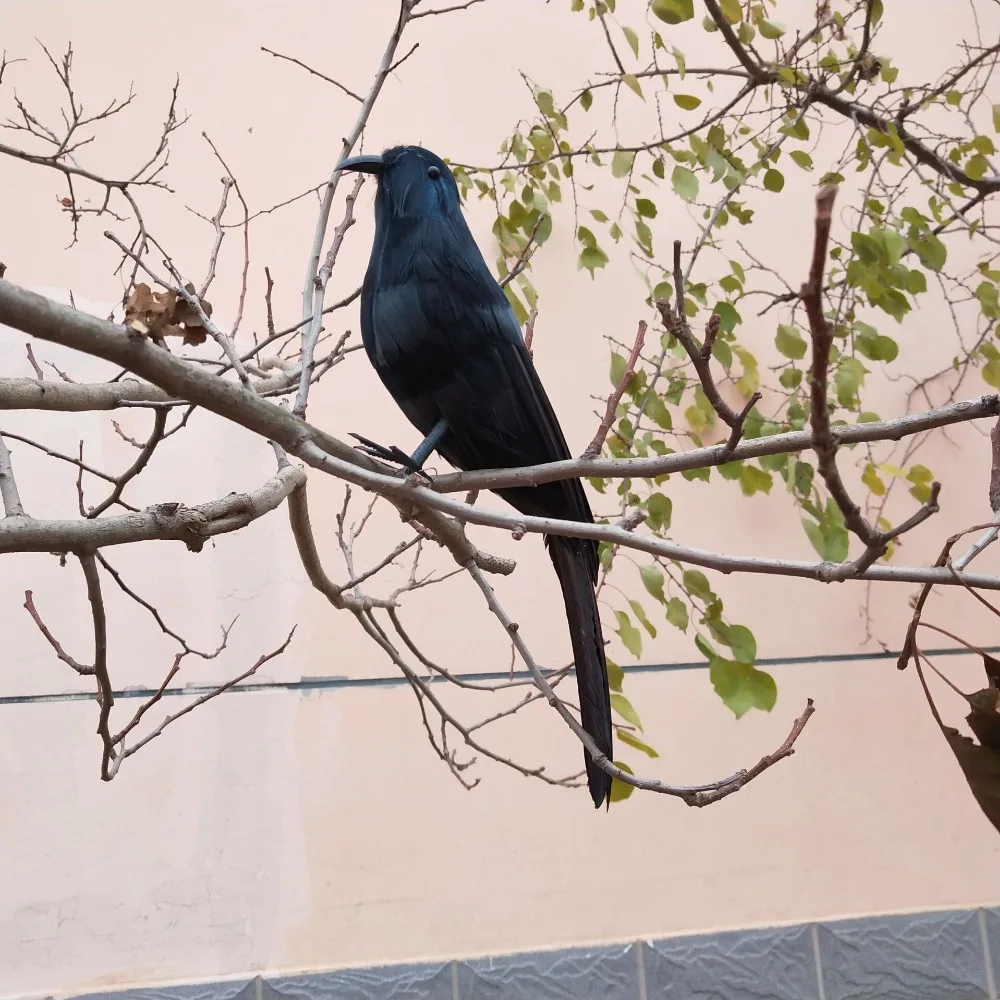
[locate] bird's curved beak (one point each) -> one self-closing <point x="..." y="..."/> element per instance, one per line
<point x="370" y="164"/>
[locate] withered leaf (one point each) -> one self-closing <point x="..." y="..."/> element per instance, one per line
<point x="194" y="335"/>
<point x="980" y="762"/>
<point x="984" y="719"/>
<point x="992" y="667"/>
<point x="981" y="767"/>
<point x="165" y="314"/>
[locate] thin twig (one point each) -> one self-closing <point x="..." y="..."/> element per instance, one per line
<point x="610" y="411"/>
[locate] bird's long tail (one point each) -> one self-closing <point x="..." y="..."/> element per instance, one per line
<point x="570" y="558"/>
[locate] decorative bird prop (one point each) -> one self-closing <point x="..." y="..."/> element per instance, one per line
<point x="444" y="340"/>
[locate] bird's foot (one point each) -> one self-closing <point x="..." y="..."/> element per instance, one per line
<point x="391" y="455"/>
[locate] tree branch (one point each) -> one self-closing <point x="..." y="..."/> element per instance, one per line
<point x="824" y="440"/>
<point x="697" y="795"/>
<point x="38" y="316"/>
<point x="8" y="485"/>
<point x="594" y="448"/>
<point x="163" y="522"/>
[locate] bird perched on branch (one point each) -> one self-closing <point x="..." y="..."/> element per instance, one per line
<point x="444" y="340"/>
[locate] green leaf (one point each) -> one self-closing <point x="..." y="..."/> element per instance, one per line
<point x="742" y="687"/>
<point x="621" y="163"/>
<point x="624" y="708"/>
<point x="704" y="646"/>
<point x="677" y="613"/>
<point x="754" y="480"/>
<point x="632" y="38"/>
<point x="652" y="580"/>
<point x="645" y="208"/>
<point x="770" y="29"/>
<point x="618" y="368"/>
<point x="696" y="583"/>
<point x="632" y="82"/>
<point x="658" y="413"/>
<point x="848" y="379"/>
<point x="728" y="316"/>
<point x="685" y="183"/>
<point x="592" y="258"/>
<point x="586" y="100"/>
<point x="660" y="509"/>
<point x="790" y="378"/>
<point x="628" y="737"/>
<point x="742" y="643"/>
<point x="640" y="613"/>
<point x="688" y="102"/>
<point x="931" y="251"/>
<point x="991" y="373"/>
<point x="619" y="789"/>
<point x="673" y="11"/>
<point x="801" y="159"/>
<point x="630" y="636"/>
<point x="616" y="675"/>
<point x="733" y="10"/>
<point x="774" y="180"/>
<point x="790" y="342"/>
<point x="996" y="117"/>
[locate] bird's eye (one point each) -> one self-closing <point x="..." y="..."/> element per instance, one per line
<point x="433" y="173"/>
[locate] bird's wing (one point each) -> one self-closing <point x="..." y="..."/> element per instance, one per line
<point x="467" y="361"/>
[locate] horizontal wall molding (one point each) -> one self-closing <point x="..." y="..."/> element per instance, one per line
<point x="308" y="684"/>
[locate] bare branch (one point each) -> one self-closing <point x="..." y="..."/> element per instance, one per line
<point x="311" y="334"/>
<point x="8" y="485"/>
<point x="698" y="795"/>
<point x="385" y="67"/>
<point x="314" y="72"/>
<point x="142" y="460"/>
<point x="105" y="697"/>
<point x="84" y="669"/>
<point x="447" y="10"/>
<point x="594" y="448"/>
<point x="214" y="693"/>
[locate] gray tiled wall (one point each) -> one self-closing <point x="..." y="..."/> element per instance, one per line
<point x="920" y="956"/>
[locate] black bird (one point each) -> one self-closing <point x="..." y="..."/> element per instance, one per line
<point x="445" y="342"/>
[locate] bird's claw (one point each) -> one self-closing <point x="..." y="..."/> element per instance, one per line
<point x="393" y="455"/>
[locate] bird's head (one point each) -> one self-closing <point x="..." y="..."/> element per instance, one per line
<point x="413" y="183"/>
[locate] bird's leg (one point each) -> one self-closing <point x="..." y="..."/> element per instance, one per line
<point x="428" y="444"/>
<point x="412" y="463"/>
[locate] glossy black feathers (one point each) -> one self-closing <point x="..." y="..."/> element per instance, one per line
<point x="444" y="340"/>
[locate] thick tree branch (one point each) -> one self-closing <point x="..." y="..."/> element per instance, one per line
<point x="825" y="442"/>
<point x="163" y="522"/>
<point x="700" y="458"/>
<point x="756" y="72"/>
<point x="36" y="315"/>
<point x="79" y="397"/>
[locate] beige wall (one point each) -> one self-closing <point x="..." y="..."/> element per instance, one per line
<point x="274" y="830"/>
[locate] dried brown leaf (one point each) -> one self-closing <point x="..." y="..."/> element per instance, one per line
<point x="981" y="767"/>
<point x="164" y="314"/>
